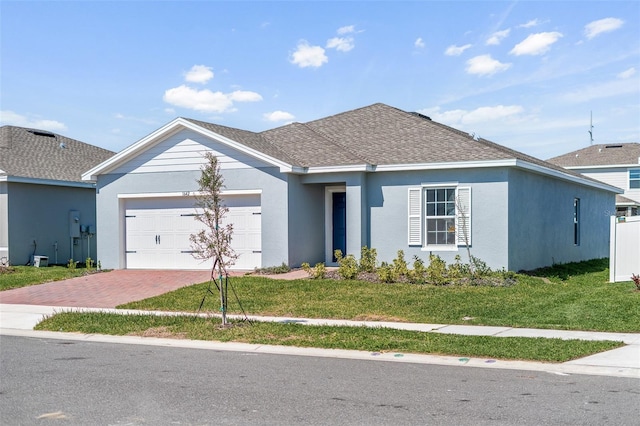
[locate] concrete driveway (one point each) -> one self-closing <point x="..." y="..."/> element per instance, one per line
<point x="104" y="290"/>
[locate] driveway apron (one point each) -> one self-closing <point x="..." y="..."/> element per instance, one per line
<point x="105" y="289"/>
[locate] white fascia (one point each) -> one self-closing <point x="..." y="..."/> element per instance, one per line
<point x="609" y="166"/>
<point x="188" y="194"/>
<point x="566" y="176"/>
<point x="167" y="130"/>
<point x="447" y="165"/>
<point x="338" y="169"/>
<point x="51" y="182"/>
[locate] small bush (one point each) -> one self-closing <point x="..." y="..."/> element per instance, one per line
<point x="400" y="265"/>
<point x="418" y="275"/>
<point x="368" y="261"/>
<point x="269" y="270"/>
<point x="636" y="280"/>
<point x="88" y="263"/>
<point x="317" y="272"/>
<point x="437" y="270"/>
<point x="387" y="273"/>
<point x="347" y="266"/>
<point x="71" y="264"/>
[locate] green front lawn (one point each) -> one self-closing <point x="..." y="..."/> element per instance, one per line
<point x="22" y="276"/>
<point x="570" y="297"/>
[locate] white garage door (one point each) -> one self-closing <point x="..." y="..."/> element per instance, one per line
<point x="158" y="230"/>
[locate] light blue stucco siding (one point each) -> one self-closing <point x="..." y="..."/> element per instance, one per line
<point x="387" y="195"/>
<point x="38" y="222"/>
<point x="306" y="223"/>
<point x="541" y="227"/>
<point x="269" y="181"/>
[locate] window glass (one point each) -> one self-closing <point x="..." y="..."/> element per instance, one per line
<point x="440" y="211"/>
<point x="634" y="178"/>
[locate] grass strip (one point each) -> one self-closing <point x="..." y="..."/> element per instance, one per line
<point x="22" y="276"/>
<point x="353" y="338"/>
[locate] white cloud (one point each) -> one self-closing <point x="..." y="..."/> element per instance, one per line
<point x="454" y="50"/>
<point x="600" y="26"/>
<point x="13" y="119"/>
<point x="419" y="43"/>
<point x="485" y="65"/>
<point x="343" y="44"/>
<point x="198" y="74"/>
<point x="308" y="56"/>
<point x="278" y="116"/>
<point x="206" y="100"/>
<point x="478" y="115"/>
<point x="531" y="23"/>
<point x="346" y="29"/>
<point x="536" y="44"/>
<point x="627" y="73"/>
<point x="497" y="37"/>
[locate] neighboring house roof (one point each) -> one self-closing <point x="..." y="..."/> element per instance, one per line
<point x="377" y="137"/>
<point x="624" y="201"/>
<point x="622" y="154"/>
<point x="41" y="155"/>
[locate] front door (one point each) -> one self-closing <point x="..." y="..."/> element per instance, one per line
<point x="339" y="222"/>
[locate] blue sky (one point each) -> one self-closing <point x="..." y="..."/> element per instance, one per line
<point x="524" y="74"/>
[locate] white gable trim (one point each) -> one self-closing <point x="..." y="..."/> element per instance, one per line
<point x="605" y="166"/>
<point x="167" y="130"/>
<point x="565" y="176"/>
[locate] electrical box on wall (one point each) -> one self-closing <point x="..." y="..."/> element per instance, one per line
<point x="74" y="224"/>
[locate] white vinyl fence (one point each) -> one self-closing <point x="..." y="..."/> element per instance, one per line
<point x="624" y="258"/>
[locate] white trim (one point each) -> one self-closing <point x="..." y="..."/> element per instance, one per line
<point x="338" y="169"/>
<point x="189" y="194"/>
<point x="328" y="222"/>
<point x="604" y="166"/>
<point x="50" y="182"/>
<point x="171" y="128"/>
<point x="447" y="165"/>
<point x="436" y="185"/>
<point x="575" y="179"/>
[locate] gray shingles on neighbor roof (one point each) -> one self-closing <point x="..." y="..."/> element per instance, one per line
<point x="600" y="155"/>
<point x="38" y="154"/>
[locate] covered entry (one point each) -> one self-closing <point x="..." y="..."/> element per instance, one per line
<point x="157" y="231"/>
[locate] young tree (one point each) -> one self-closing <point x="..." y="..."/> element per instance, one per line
<point x="213" y="242"/>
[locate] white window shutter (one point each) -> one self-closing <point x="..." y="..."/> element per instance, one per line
<point x="463" y="215"/>
<point x="415" y="216"/>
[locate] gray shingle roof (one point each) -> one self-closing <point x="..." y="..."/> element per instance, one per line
<point x="40" y="154"/>
<point x="376" y="135"/>
<point x="600" y="155"/>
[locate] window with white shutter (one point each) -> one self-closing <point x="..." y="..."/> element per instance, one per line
<point x="439" y="216"/>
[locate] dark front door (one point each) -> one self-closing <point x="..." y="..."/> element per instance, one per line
<point x="339" y="222"/>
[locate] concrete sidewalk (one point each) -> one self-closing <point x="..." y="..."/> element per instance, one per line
<point x="19" y="320"/>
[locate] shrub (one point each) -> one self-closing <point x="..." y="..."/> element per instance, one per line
<point x="419" y="272"/>
<point x="387" y="273"/>
<point x="400" y="265"/>
<point x="458" y="269"/>
<point x="437" y="270"/>
<point x="71" y="264"/>
<point x="282" y="269"/>
<point x="480" y="268"/>
<point x="636" y="280"/>
<point x="317" y="272"/>
<point x="368" y="260"/>
<point x="347" y="266"/>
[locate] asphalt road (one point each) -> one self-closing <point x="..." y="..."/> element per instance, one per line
<point x="64" y="382"/>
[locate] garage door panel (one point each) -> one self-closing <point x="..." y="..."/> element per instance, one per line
<point x="160" y="237"/>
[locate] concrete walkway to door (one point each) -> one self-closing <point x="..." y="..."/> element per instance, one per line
<point x="105" y="289"/>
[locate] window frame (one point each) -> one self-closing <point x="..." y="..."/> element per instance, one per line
<point x="418" y="219"/>
<point x="576" y="221"/>
<point x="634" y="177"/>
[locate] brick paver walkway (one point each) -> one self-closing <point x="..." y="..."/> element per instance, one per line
<point x="103" y="290"/>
